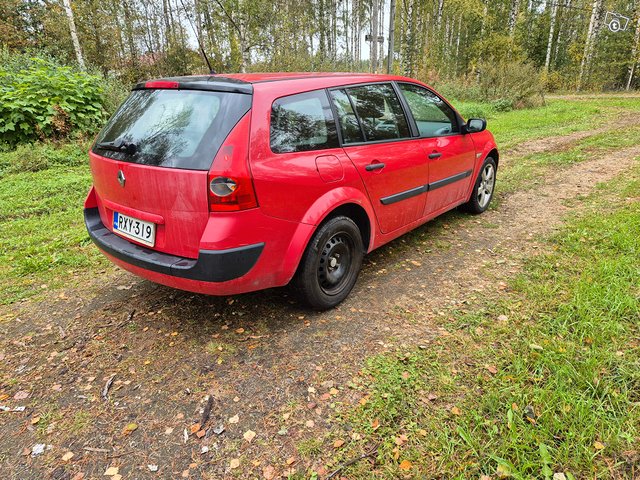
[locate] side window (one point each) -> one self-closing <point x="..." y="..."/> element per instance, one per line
<point x="302" y="122"/>
<point x="432" y="115"/>
<point x="379" y="111"/>
<point x="349" y="125"/>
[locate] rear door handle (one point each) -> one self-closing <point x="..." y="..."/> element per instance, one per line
<point x="434" y="155"/>
<point x="374" y="166"/>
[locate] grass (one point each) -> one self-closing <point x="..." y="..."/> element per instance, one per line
<point x="557" y="117"/>
<point x="528" y="168"/>
<point x="42" y="241"/>
<point x="43" y="244"/>
<point x="543" y="380"/>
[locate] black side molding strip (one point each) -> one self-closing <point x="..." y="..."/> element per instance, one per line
<point x="446" y="181"/>
<point x="210" y="266"/>
<point x="398" y="197"/>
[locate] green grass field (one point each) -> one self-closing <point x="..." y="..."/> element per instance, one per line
<point x="544" y="380"/>
<point x="43" y="244"/>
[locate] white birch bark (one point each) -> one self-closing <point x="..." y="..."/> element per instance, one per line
<point x="594" y="24"/>
<point x="552" y="27"/>
<point x="634" y="53"/>
<point x="74" y="34"/>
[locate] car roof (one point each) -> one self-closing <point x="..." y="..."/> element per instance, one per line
<point x="244" y="82"/>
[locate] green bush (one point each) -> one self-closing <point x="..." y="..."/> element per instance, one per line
<point x="40" y="99"/>
<point x="510" y="82"/>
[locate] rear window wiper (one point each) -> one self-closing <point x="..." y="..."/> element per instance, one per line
<point x="118" y="146"/>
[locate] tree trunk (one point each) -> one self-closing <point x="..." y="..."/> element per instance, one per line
<point x="439" y="14"/>
<point x="552" y="26"/>
<point x="392" y="31"/>
<point x="513" y="16"/>
<point x="74" y="34"/>
<point x="594" y="25"/>
<point x="634" y="52"/>
<point x="374" y="36"/>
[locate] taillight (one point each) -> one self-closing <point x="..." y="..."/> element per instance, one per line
<point x="230" y="185"/>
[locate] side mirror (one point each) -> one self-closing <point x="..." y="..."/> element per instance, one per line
<point x="475" y="125"/>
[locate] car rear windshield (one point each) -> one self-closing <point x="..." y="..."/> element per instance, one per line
<point x="171" y="128"/>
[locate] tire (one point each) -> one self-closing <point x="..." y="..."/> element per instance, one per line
<point x="483" y="188"/>
<point x="330" y="265"/>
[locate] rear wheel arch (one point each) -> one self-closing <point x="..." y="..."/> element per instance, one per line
<point x="359" y="216"/>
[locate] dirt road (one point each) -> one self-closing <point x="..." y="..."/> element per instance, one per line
<point x="272" y="368"/>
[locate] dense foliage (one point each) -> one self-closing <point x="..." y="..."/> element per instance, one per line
<point x="41" y="99"/>
<point x="568" y="42"/>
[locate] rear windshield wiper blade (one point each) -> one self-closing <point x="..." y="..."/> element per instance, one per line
<point x="118" y="146"/>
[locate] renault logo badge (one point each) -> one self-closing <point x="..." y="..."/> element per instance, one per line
<point x="121" y="178"/>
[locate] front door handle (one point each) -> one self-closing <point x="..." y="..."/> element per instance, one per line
<point x="434" y="155"/>
<point x="374" y="166"/>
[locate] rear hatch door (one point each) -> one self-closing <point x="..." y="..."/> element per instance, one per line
<point x="150" y="163"/>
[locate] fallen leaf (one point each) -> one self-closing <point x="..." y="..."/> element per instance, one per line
<point x="503" y="471"/>
<point x="268" y="472"/>
<point x="35" y="419"/>
<point x="117" y="476"/>
<point x="111" y="471"/>
<point x="234" y="419"/>
<point x="21" y="395"/>
<point x="338" y="443"/>
<point x="492" y="369"/>
<point x="67" y="456"/>
<point x="310" y="423"/>
<point x="201" y="433"/>
<point x="249" y="435"/>
<point x="401" y="440"/>
<point x="375" y="424"/>
<point x="130" y="428"/>
<point x="239" y="330"/>
<point x="455" y="410"/>
<point x="235" y="463"/>
<point x="168" y="430"/>
<point x="559" y="476"/>
<point x="291" y="460"/>
<point x="405" y="465"/>
<point x="194" y="428"/>
<point x="598" y="445"/>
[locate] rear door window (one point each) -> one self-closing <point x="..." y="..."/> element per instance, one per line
<point x="433" y="116"/>
<point x="171" y="128"/>
<point x="302" y="122"/>
<point x="379" y="111"/>
<point x="349" y="125"/>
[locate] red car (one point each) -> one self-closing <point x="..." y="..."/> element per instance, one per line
<point x="224" y="184"/>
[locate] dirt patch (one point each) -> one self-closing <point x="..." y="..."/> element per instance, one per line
<point x="562" y="142"/>
<point x="277" y="368"/>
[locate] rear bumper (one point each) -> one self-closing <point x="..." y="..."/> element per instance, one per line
<point x="210" y="266"/>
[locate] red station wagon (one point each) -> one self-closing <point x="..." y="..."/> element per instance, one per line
<point x="224" y="184"/>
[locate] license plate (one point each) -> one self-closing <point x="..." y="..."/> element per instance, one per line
<point x="135" y="229"/>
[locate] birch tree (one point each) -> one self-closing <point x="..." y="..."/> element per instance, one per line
<point x="634" y="51"/>
<point x="552" y="26"/>
<point x="74" y="34"/>
<point x="594" y="25"/>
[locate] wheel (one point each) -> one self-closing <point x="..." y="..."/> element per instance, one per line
<point x="483" y="188"/>
<point x="330" y="265"/>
